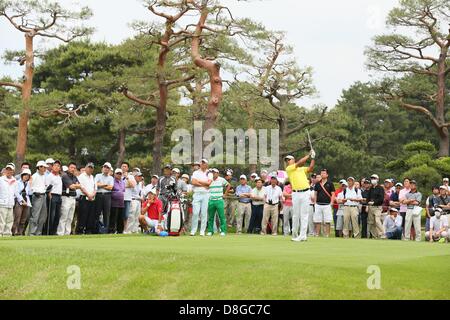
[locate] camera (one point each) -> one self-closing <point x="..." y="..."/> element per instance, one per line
<point x="270" y="202"/>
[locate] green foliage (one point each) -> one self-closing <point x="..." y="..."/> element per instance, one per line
<point x="425" y="176"/>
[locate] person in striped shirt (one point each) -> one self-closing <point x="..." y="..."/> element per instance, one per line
<point x="216" y="203"/>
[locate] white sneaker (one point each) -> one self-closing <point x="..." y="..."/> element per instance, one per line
<point x="202" y="234"/>
<point x="209" y="234"/>
<point x="296" y="239"/>
<point x="222" y="234"/>
<point x="192" y="234"/>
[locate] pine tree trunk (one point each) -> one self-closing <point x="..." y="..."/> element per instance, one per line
<point x="22" y="133"/>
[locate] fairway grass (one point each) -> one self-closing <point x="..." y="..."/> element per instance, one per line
<point x="234" y="267"/>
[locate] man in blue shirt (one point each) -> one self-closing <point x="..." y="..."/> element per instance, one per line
<point x="243" y="192"/>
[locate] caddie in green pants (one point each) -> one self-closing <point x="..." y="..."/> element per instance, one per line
<point x="216" y="204"/>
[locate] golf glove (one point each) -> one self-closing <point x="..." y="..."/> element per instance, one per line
<point x="313" y="154"/>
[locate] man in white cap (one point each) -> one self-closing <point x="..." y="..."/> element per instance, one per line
<point x="438" y="227"/>
<point x="297" y="174"/>
<point x="351" y="198"/>
<point x="273" y="197"/>
<point x="39" y="210"/>
<point x="393" y="225"/>
<point x="201" y="182"/>
<point x="244" y="193"/>
<point x="49" y="163"/>
<point x="181" y="184"/>
<point x="8" y="192"/>
<point x="105" y="184"/>
<point x="23" y="203"/>
<point x="445" y="182"/>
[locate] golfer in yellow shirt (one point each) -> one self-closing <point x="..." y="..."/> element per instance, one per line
<point x="301" y="193"/>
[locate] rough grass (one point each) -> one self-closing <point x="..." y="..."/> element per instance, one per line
<point x="235" y="267"/>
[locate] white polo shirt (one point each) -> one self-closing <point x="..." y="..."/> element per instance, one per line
<point x="39" y="183"/>
<point x="56" y="182"/>
<point x="203" y="177"/>
<point x="87" y="182"/>
<point x="273" y="193"/>
<point x="350" y="194"/>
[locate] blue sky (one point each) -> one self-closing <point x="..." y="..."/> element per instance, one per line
<point x="328" y="35"/>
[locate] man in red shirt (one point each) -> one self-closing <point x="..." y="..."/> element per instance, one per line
<point x="151" y="213"/>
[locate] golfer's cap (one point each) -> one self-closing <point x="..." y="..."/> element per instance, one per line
<point x="136" y="170"/>
<point x="26" y="171"/>
<point x="375" y="176"/>
<point x="393" y="210"/>
<point x="273" y="176"/>
<point x="176" y="170"/>
<point x="185" y="176"/>
<point x="118" y="170"/>
<point x="49" y="161"/>
<point x="254" y="175"/>
<point x="414" y="182"/>
<point x="289" y="158"/>
<point x="196" y="163"/>
<point x="155" y="176"/>
<point x="264" y="172"/>
<point x="342" y="181"/>
<point x="153" y="191"/>
<point x="243" y="177"/>
<point x="57" y="161"/>
<point x="10" y="166"/>
<point x="204" y="161"/>
<point x="168" y="166"/>
<point x="108" y="165"/>
<point x="351" y="178"/>
<point x="345" y="183"/>
<point x="438" y="209"/>
<point x="367" y="181"/>
<point x="445" y="179"/>
<point x="229" y="173"/>
<point x="90" y="165"/>
<point x="399" y="185"/>
<point x="41" y="164"/>
<point x="65" y="168"/>
<point x="214" y="170"/>
<point x="443" y="187"/>
<point x="139" y="174"/>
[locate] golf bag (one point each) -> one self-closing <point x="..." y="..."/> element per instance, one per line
<point x="174" y="212"/>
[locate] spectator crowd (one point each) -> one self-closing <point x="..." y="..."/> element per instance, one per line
<point x="296" y="202"/>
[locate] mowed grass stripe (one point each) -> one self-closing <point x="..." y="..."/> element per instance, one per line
<point x="235" y="267"/>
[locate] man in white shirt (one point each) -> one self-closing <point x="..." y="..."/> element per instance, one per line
<point x="87" y="216"/>
<point x="38" y="187"/>
<point x="105" y="183"/>
<point x="8" y="193"/>
<point x="273" y="198"/>
<point x="438" y="227"/>
<point x="201" y="182"/>
<point x="130" y="183"/>
<point x="55" y="200"/>
<point x="351" y="198"/>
